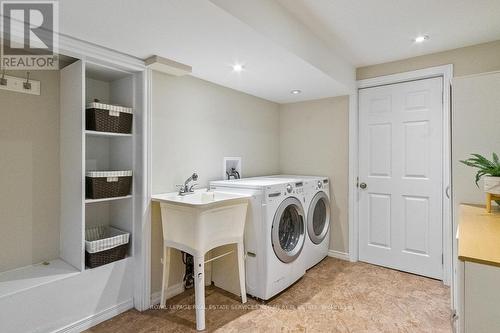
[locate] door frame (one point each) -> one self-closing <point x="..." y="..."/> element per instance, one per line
<point x="446" y="72"/>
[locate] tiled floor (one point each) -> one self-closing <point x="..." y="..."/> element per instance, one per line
<point x="334" y="296"/>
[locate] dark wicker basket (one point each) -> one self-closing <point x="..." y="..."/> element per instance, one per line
<point x="97" y="259"/>
<point x="102" y="121"/>
<point x="102" y="187"/>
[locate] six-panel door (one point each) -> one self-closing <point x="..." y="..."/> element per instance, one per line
<point x="401" y="162"/>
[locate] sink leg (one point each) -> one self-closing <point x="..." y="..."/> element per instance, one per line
<point x="241" y="271"/>
<point x="166" y="266"/>
<point x="199" y="291"/>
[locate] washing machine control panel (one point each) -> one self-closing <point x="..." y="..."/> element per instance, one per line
<point x="297" y="188"/>
<point x="292" y="189"/>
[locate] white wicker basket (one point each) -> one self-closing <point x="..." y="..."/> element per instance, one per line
<point x="111" y="108"/>
<point x="103" y="238"/>
<point x="108" y="174"/>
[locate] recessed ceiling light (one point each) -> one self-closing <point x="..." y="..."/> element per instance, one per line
<point x="238" y="68"/>
<point x="421" y="39"/>
<point x="295" y="92"/>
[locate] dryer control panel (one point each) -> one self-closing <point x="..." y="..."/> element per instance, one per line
<point x="321" y="183"/>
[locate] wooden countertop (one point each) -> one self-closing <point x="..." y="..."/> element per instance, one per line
<point x="479" y="235"/>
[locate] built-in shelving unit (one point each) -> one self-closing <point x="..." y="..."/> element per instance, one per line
<point x="51" y="273"/>
<point x="110" y="151"/>
<point x="81" y="150"/>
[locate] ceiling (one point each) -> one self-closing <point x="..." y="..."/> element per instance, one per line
<point x="370" y="32"/>
<point x="202" y="35"/>
<point x="212" y="35"/>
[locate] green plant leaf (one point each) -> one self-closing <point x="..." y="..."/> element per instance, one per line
<point x="495" y="159"/>
<point x="485" y="161"/>
<point x="484" y="166"/>
<point x="479" y="174"/>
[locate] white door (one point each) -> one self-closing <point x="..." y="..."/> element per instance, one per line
<point x="401" y="176"/>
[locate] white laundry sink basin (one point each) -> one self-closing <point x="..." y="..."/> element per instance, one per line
<point x="197" y="222"/>
<point x="200" y="198"/>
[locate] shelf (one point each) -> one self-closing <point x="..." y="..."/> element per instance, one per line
<point x="89" y="201"/>
<point x="106" y="134"/>
<point x="24" y="278"/>
<point x="111" y="264"/>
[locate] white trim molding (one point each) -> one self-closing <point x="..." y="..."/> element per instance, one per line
<point x="80" y="49"/>
<point x="446" y="72"/>
<point x="339" y="255"/>
<point x="146" y="235"/>
<point x="143" y="226"/>
<point x="95" y="319"/>
<point x="353" y="177"/>
<point x="172" y="291"/>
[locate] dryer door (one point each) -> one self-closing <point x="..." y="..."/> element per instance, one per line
<point x="288" y="230"/>
<point x="318" y="217"/>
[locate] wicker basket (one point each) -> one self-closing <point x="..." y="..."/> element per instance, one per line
<point x="104" y="245"/>
<point x="107" y="184"/>
<point x="108" y="118"/>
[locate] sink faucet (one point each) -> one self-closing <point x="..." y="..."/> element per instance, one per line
<point x="186" y="188"/>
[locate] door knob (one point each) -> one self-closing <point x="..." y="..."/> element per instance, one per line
<point x="363" y="186"/>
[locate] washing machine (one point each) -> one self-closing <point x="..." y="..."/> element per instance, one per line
<point x="317" y="203"/>
<point x="275" y="232"/>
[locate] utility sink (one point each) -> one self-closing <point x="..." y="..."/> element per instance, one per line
<point x="196" y="223"/>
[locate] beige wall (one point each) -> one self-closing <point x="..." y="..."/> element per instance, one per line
<point x="29" y="173"/>
<point x="468" y="60"/>
<point x="314" y="140"/>
<point x="476" y="129"/>
<point x="196" y="124"/>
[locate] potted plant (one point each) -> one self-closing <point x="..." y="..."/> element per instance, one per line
<point x="489" y="170"/>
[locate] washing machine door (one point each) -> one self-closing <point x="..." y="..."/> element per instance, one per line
<point x="288" y="230"/>
<point x="318" y="217"/>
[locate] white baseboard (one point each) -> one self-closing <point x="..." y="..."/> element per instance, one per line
<point x="339" y="255"/>
<point x="172" y="291"/>
<point x="90" y="321"/>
